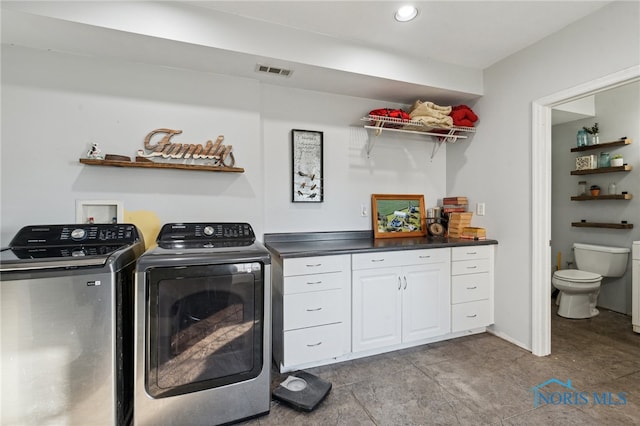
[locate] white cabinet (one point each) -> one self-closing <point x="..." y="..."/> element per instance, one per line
<point x="311" y="309"/>
<point x="471" y="287"/>
<point x="399" y="297"/>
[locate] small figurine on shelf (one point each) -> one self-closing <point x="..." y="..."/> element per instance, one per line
<point x="95" y="152"/>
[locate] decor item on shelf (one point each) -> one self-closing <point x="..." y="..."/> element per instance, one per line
<point x="612" y="188"/>
<point x="307" y="171"/>
<point x="604" y="160"/>
<point x="398" y="215"/>
<point x="215" y="154"/>
<point x="586" y="162"/>
<point x="582" y="138"/>
<point x="582" y="187"/>
<point x="617" y="161"/>
<point x="95" y="153"/>
<point x="595" y="190"/>
<point x="593" y="131"/>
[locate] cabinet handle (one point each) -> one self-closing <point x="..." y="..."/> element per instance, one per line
<point x="314" y="266"/>
<point x="399" y="283"/>
<point x="314" y="283"/>
<point x="472" y="252"/>
<point x="377" y="260"/>
<point x="314" y="310"/>
<point x="472" y="267"/>
<point x="405" y="283"/>
<point x="424" y="257"/>
<point x="472" y="288"/>
<point x="315" y="344"/>
<point x="472" y="316"/>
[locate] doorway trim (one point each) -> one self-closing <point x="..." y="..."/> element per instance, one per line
<point x="541" y="198"/>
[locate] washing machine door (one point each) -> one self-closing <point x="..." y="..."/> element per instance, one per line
<point x="205" y="327"/>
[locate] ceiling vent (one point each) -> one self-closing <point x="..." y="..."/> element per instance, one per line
<point x="273" y="70"/>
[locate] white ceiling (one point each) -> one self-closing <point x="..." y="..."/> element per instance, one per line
<point x="354" y="48"/>
<point x="473" y="34"/>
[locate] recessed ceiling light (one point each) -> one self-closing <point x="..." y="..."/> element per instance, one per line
<point x="406" y="13"/>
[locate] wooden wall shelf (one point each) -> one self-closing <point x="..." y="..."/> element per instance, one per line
<point x="605" y="145"/>
<point x="626" y="168"/>
<point x="602" y="197"/>
<point x="153" y="165"/>
<point x="602" y="225"/>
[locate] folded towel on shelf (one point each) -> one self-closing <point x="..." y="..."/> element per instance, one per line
<point x="463" y="116"/>
<point x="390" y="112"/>
<point x="431" y="115"/>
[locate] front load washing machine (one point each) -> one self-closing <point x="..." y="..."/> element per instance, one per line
<point x="203" y="335"/>
<point x="66" y="298"/>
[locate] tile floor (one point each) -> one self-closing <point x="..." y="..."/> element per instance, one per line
<point x="484" y="380"/>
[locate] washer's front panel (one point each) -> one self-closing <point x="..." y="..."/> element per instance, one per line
<point x="58" y="350"/>
<point x="202" y="343"/>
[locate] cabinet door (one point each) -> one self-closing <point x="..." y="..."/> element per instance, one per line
<point x="425" y="301"/>
<point x="376" y="308"/>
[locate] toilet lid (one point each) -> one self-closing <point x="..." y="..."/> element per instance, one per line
<point x="576" y="275"/>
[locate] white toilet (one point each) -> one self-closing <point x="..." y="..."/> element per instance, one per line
<point x="579" y="288"/>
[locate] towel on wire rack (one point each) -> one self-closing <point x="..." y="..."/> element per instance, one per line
<point x="431" y="115"/>
<point x="463" y="116"/>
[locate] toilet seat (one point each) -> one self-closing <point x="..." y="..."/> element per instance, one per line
<point x="577" y="276"/>
<point x="578" y="293"/>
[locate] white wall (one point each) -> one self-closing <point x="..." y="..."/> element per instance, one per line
<point x="495" y="167"/>
<point x="54" y="106"/>
<point x="398" y="163"/>
<point x="617" y="111"/>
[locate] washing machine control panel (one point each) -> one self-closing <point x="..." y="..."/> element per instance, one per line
<point x="64" y="235"/>
<point x="202" y="234"/>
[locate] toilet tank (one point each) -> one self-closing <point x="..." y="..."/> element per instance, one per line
<point x="604" y="260"/>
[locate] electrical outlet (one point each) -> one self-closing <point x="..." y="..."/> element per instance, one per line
<point x="480" y="209"/>
<point x="363" y="210"/>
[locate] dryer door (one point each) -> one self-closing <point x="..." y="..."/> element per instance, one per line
<point x="205" y="327"/>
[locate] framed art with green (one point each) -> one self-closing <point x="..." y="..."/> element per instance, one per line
<point x="398" y="215"/>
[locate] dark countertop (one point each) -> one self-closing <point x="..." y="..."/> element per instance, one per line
<point x="304" y="244"/>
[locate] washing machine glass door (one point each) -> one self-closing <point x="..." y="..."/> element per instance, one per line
<point x="205" y="327"/>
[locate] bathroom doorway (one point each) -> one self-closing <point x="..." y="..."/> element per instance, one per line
<point x="542" y="197"/>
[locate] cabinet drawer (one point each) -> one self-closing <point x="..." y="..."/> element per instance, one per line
<point x="419" y="257"/>
<point x="470" y="252"/>
<point x="311" y="309"/>
<point x="470" y="287"/>
<point x="465" y="316"/>
<point x="313" y="344"/>
<point x="315" y="282"/>
<point x="389" y="259"/>
<point x="469" y="266"/>
<point x="315" y="265"/>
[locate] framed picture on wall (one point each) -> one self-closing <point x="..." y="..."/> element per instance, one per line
<point x="307" y="173"/>
<point x="398" y="215"/>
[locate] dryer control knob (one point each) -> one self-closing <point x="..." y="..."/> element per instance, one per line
<point x="208" y="230"/>
<point x="78" y="234"/>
